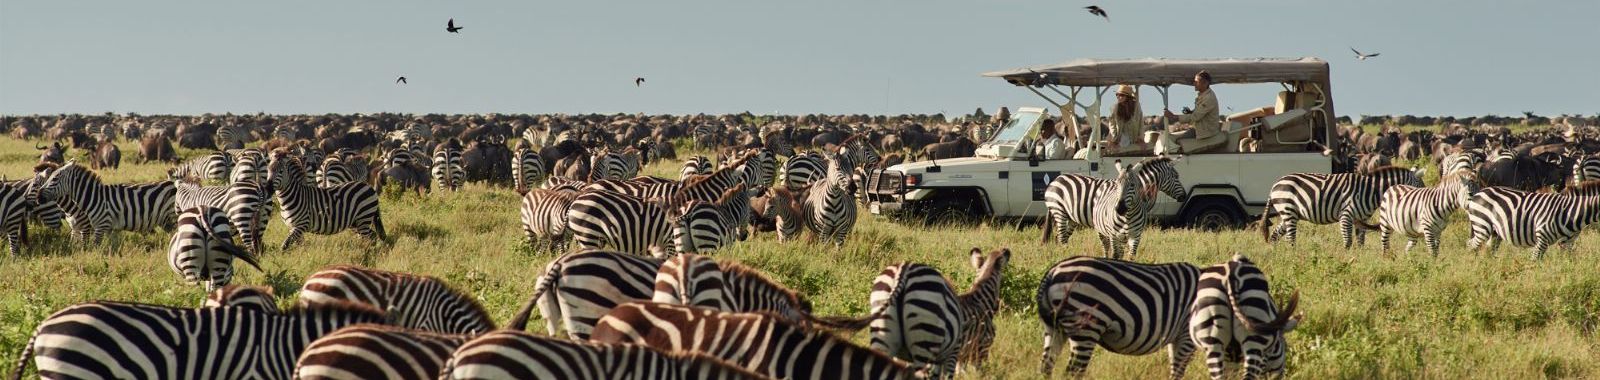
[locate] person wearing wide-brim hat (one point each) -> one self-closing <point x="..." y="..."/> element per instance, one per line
<point x="1126" y="118"/>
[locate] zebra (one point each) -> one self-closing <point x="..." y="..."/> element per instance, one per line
<point x="711" y="187"/>
<point x="231" y="136"/>
<point x="544" y="217"/>
<point x="857" y="153"/>
<point x="14" y="207"/>
<point x="1585" y="168"/>
<point x="700" y="281"/>
<point x="599" y="219"/>
<point x="1467" y="160"/>
<point x="762" y="342"/>
<point x="377" y="352"/>
<point x="1235" y="320"/>
<point x="980" y="304"/>
<point x="705" y="227"/>
<point x="1125" y="307"/>
<point x="1424" y="211"/>
<point x="335" y="171"/>
<point x="98" y="209"/>
<point x="188" y="195"/>
<point x="447" y="170"/>
<point x="829" y="209"/>
<point x="917" y="317"/>
<point x="508" y="354"/>
<point x="802" y="169"/>
<point x="310" y="158"/>
<point x="257" y="298"/>
<point x="578" y="288"/>
<point x="1115" y="208"/>
<point x="413" y="301"/>
<point x="323" y="211"/>
<point x="761" y="168"/>
<point x="249" y="207"/>
<point x="202" y="248"/>
<point x="527" y="167"/>
<point x="614" y="165"/>
<point x="43" y="210"/>
<point x="249" y="165"/>
<point x="1527" y="219"/>
<point x="1590" y="188"/>
<point x="125" y="340"/>
<point x="216" y="166"/>
<point x="1347" y="198"/>
<point x="697" y="165"/>
<point x="783" y="206"/>
<point x="559" y="183"/>
<point x="641" y="189"/>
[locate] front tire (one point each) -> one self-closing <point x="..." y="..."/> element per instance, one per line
<point x="1214" y="214"/>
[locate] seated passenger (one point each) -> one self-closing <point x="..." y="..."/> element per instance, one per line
<point x="1127" y="119"/>
<point x="1050" y="145"/>
<point x="1203" y="122"/>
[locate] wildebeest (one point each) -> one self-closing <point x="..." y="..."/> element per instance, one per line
<point x="53" y="153"/>
<point x="487" y="160"/>
<point x="106" y="155"/>
<point x="960" y="147"/>
<point x="153" y="147"/>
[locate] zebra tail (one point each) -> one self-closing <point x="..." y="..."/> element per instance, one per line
<point x="552" y="274"/>
<point x="242" y="254"/>
<point x="1049" y="224"/>
<point x="1266" y="216"/>
<point x="22" y="361"/>
<point x="1268" y="328"/>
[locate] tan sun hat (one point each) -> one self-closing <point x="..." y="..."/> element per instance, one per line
<point x="1126" y="90"/>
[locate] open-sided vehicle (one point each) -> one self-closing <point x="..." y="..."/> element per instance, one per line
<point x="1226" y="186"/>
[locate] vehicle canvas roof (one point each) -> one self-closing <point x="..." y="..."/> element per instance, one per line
<point x="1167" y="71"/>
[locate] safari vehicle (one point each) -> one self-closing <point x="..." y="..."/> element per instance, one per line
<point x="1226" y="186"/>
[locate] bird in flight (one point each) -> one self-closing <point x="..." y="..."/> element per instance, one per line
<point x="402" y="80"/>
<point x="1095" y="10"/>
<point x="638" y="81"/>
<point x="1362" y="56"/>
<point x="451" y="26"/>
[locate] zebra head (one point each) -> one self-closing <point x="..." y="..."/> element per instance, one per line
<point x="41" y="173"/>
<point x="1132" y="191"/>
<point x="1160" y="171"/>
<point x="1466" y="183"/>
<point x="839" y="170"/>
<point x="58" y="183"/>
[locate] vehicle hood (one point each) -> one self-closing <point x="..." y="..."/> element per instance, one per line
<point x="950" y="165"/>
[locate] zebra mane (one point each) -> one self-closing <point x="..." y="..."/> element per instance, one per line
<point x="336" y="307"/>
<point x="738" y="269"/>
<point x="1387" y="169"/>
<point x="42" y="166"/>
<point x="697" y="180"/>
<point x="727" y="195"/>
<point x="989" y="261"/>
<point x="1592" y="185"/>
<point x="792" y="197"/>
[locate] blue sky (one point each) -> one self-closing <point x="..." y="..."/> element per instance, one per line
<point x="1467" y="57"/>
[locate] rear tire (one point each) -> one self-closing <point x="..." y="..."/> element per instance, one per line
<point x="1214" y="214"/>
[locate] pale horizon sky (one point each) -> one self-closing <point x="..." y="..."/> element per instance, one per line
<point x="1462" y="58"/>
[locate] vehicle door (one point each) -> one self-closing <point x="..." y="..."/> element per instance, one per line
<point x="1027" y="180"/>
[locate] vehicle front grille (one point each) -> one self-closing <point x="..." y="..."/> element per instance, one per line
<point x="886" y="182"/>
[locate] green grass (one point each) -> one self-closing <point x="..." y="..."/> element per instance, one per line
<point x="1368" y="315"/>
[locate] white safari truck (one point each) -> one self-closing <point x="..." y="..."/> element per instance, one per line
<point x="1227" y="181"/>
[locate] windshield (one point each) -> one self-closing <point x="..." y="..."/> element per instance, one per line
<point x="1016" y="129"/>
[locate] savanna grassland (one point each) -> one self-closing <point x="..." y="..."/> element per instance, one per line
<point x="1367" y="314"/>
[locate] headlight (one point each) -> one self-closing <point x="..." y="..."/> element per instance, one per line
<point x="912" y="180"/>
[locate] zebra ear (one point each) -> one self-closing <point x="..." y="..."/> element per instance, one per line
<point x="976" y="256"/>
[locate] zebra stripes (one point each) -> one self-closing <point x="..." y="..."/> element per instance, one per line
<point x="802" y="169"/>
<point x="215" y="166"/>
<point x="447" y="171"/>
<point x="14" y="207"/>
<point x="578" y="288"/>
<point x="544" y="217"/>
<point x="323" y="211"/>
<point x="1125" y="307"/>
<point x="829" y="208"/>
<point x="759" y="342"/>
<point x="202" y="248"/>
<point x="339" y="169"/>
<point x="1585" y="168"/>
<point x="43" y="209"/>
<point x="98" y="209"/>
<point x="413" y="301"/>
<point x="980" y="304"/>
<point x="231" y="136"/>
<point x="700" y="281"/>
<point x="600" y="219"/>
<point x="705" y="227"/>
<point x="527" y="168"/>
<point x="1235" y="320"/>
<point x="249" y="207"/>
<point x="123" y="340"/>
<point x="1347" y="198"/>
<point x="249" y="165"/>
<point x="191" y="195"/>
<point x="516" y="355"/>
<point x="614" y="165"/>
<point x="257" y="298"/>
<point x="697" y="165"/>
<point x="917" y="317"/>
<point x="711" y="187"/>
<point x="637" y="187"/>
<point x="783" y="206"/>
<point x="1115" y="208"/>
<point x="364" y="352"/>
<point x="1526" y="219"/>
<point x="1424" y="211"/>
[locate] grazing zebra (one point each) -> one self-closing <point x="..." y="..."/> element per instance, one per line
<point x="761" y="342"/>
<point x="257" y="298"/>
<point x="1347" y="198"/>
<point x="1235" y="320"/>
<point x="705" y="227"/>
<point x="323" y="211"/>
<point x="44" y="210"/>
<point x="544" y="217"/>
<point x="917" y="317"/>
<point x="249" y="165"/>
<point x="447" y="170"/>
<point x="14" y="207"/>
<point x="578" y="288"/>
<point x="216" y="166"/>
<point x="1424" y="211"/>
<point x="784" y="208"/>
<point x="1115" y="208"/>
<point x="202" y="248"/>
<point x="413" y="301"/>
<point x="527" y="167"/>
<point x="98" y="209"/>
<point x="516" y="355"/>
<point x="829" y="209"/>
<point x="599" y="219"/>
<point x="1125" y="307"/>
<point x="803" y="169"/>
<point x="614" y="165"/>
<point x="249" y="207"/>
<point x="124" y="340"/>
<point x="1526" y="219"/>
<point x="377" y="352"/>
<point x="697" y="165"/>
<point x="980" y="304"/>
<point x="697" y="280"/>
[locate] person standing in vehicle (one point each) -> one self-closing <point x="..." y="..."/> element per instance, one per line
<point x="1204" y="122"/>
<point x="1127" y="118"/>
<point x="1050" y="145"/>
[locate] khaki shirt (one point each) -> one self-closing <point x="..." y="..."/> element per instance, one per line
<point x="1053" y="149"/>
<point x="1205" y="119"/>
<point x="1130" y="130"/>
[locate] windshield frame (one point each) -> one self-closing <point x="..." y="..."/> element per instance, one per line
<point x="1012" y="126"/>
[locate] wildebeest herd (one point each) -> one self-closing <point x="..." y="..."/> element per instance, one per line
<point x="639" y="298"/>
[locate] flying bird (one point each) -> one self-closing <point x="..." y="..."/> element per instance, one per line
<point x="402" y="80"/>
<point x="638" y="81"/>
<point x="451" y="26"/>
<point x="1362" y="56"/>
<point x="1095" y="10"/>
